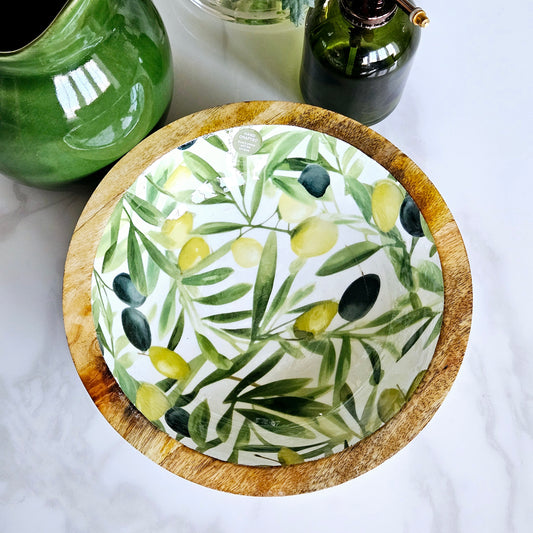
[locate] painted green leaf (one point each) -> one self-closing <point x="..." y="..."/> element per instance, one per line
<point x="347" y="400"/>
<point x="368" y="410"/>
<point x="385" y="318"/>
<point x="361" y="195"/>
<point x="168" y="311"/>
<point x="223" y="427"/>
<point x="292" y="349"/>
<point x="152" y="274"/>
<point x="299" y="163"/>
<point x="312" y="147"/>
<point x="343" y="367"/>
<point x="300" y="295"/>
<point x="327" y="366"/>
<point x="177" y="332"/>
<point x="128" y="384"/>
<point x="406" y="320"/>
<point x="201" y="169"/>
<point x="401" y="262"/>
<point x="293" y="406"/>
<point x="102" y="340"/>
<point x="414" y="385"/>
<point x="199" y="423"/>
<point x="217" y="199"/>
<point x="159" y="258"/>
<point x="242" y="333"/>
<point x="166" y="384"/>
<point x="243" y="437"/>
<point x="116" y="256"/>
<point x="415" y="336"/>
<point x="135" y="263"/>
<point x="208" y="278"/>
<point x="256" y="196"/>
<point x="430" y="277"/>
<point x="211" y="228"/>
<point x="293" y="188"/>
<point x="225" y="318"/>
<point x="348" y="257"/>
<point x="114" y="227"/>
<point x="375" y="361"/>
<point x="264" y="281"/>
<point x="278" y="300"/>
<point x="276" y="424"/>
<point x="281" y="387"/>
<point x="434" y="333"/>
<point x="226" y="296"/>
<point x="264" y="368"/>
<point x="211" y="258"/>
<point x="217" y="142"/>
<point x="145" y="210"/>
<point x="211" y="353"/>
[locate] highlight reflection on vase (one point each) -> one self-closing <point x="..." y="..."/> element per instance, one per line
<point x="84" y="92"/>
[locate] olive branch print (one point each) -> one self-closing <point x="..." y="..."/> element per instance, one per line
<point x="267" y="303"/>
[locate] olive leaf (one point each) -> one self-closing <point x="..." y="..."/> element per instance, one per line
<point x="264" y="368"/>
<point x="414" y="385"/>
<point x="226" y="296"/>
<point x="385" y="318"/>
<point x="343" y="367"/>
<point x="168" y="311"/>
<point x="361" y="195"/>
<point x="233" y="316"/>
<point x="375" y="361"/>
<point x="177" y="332"/>
<point x="211" y="258"/>
<point x="208" y="278"/>
<point x="293" y="188"/>
<point x="430" y="277"/>
<point x="201" y="169"/>
<point x="348" y="257"/>
<point x="434" y="333"/>
<point x="292" y="406"/>
<point x="280" y="387"/>
<point x="211" y="228"/>
<point x="128" y="384"/>
<point x="114" y="227"/>
<point x="145" y="210"/>
<point x="198" y="424"/>
<point x="291" y="349"/>
<point x="243" y="437"/>
<point x="211" y="353"/>
<point x="223" y="427"/>
<point x="159" y="258"/>
<point x="415" y="336"/>
<point x="401" y="262"/>
<point x="135" y="263"/>
<point x="276" y="424"/>
<point x="406" y="320"/>
<point x="264" y="281"/>
<point x="217" y="142"/>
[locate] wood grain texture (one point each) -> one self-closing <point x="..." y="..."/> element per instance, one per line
<point x="278" y="480"/>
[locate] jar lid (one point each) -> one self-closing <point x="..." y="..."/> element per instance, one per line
<point x="368" y="13"/>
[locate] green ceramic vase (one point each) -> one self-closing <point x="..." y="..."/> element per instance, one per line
<point x="84" y="91"/>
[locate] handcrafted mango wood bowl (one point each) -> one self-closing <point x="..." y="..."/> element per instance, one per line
<point x="267" y="298"/>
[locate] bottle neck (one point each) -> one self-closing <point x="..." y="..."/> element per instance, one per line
<point x="368" y="13"/>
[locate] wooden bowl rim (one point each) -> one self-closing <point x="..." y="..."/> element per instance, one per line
<point x="277" y="480"/>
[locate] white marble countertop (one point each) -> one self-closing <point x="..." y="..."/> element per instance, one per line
<point x="464" y="120"/>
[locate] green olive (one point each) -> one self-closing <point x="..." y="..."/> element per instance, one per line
<point x="175" y="232"/>
<point x="286" y="457"/>
<point x="193" y="251"/>
<point x="315" y="320"/>
<point x="386" y="201"/>
<point x="168" y="363"/>
<point x="151" y="401"/>
<point x="246" y="252"/>
<point x="389" y="403"/>
<point x="293" y="211"/>
<point x="314" y="236"/>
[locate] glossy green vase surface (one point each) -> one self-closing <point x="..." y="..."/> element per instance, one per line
<point x="86" y="90"/>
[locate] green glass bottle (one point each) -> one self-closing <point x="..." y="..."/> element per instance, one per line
<point x="357" y="56"/>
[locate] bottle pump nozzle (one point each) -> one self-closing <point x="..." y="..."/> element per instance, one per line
<point x="416" y="14"/>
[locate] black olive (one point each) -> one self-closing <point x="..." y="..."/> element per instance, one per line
<point x="126" y="290"/>
<point x="359" y="297"/>
<point x="315" y="179"/>
<point x="136" y="328"/>
<point x="410" y="217"/>
<point x="178" y="420"/>
<point x="186" y="145"/>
